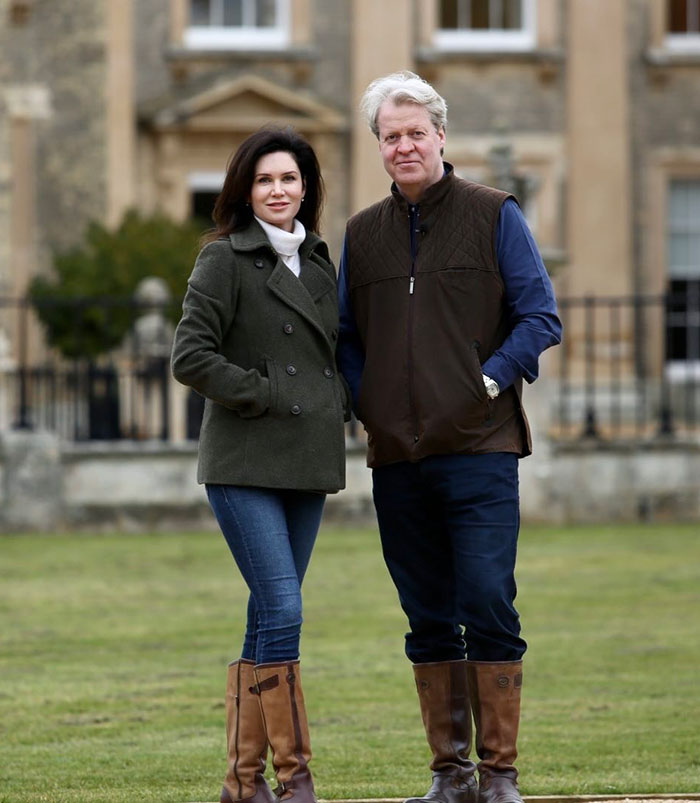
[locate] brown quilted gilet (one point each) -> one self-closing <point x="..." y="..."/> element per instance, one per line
<point x="422" y="392"/>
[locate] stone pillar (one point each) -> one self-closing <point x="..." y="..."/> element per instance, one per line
<point x="599" y="219"/>
<point x="599" y="211"/>
<point x="32" y="483"/>
<point x="26" y="104"/>
<point x="120" y="123"/>
<point x="382" y="42"/>
<point x="172" y="192"/>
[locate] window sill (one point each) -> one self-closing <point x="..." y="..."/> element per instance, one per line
<point x="665" y="57"/>
<point x="293" y="54"/>
<point x="432" y="55"/>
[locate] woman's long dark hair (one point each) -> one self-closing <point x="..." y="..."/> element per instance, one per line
<point x="232" y="211"/>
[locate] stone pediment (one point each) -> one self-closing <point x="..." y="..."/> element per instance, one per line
<point x="245" y="104"/>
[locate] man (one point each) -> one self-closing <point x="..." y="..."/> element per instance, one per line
<point x="445" y="307"/>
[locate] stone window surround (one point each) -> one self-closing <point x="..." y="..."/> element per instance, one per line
<point x="206" y="180"/>
<point x="543" y="16"/>
<point x="298" y="33"/>
<point x="244" y="36"/>
<point x="665" y="165"/>
<point x="674" y="227"/>
<point x="496" y="39"/>
<point x="688" y="369"/>
<point x="665" y="48"/>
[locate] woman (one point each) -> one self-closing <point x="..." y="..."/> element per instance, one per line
<point x="257" y="340"/>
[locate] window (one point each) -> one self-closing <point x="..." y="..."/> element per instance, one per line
<point x="202" y="205"/>
<point x="683" y="24"/>
<point x="239" y="24"/>
<point x="486" y="25"/>
<point x="683" y="304"/>
<point x="204" y="187"/>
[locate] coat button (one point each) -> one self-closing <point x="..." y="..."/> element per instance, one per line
<point x="295" y="409"/>
<point x="259" y="263"/>
<point x="288" y="328"/>
<point x="328" y="372"/>
<point x="291" y="370"/>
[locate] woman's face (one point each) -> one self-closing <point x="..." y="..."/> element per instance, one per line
<point x="277" y="189"/>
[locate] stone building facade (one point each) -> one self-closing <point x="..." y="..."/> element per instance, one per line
<point x="109" y="104"/>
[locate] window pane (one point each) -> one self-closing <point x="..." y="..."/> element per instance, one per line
<point x="266" y="13"/>
<point x="512" y="14"/>
<point x="678" y="205"/>
<point x="694" y="205"/>
<point x="684" y="229"/>
<point x="448" y="14"/>
<point x="679" y="255"/>
<point x="202" y="204"/>
<point x="233" y="13"/>
<point x="684" y="206"/>
<point x="199" y="12"/>
<point x="682" y="331"/>
<point x="480" y="15"/>
<point x="677" y="16"/>
<point x="676" y="343"/>
<point x="694" y="257"/>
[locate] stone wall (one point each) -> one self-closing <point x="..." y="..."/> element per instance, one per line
<point x="71" y="146"/>
<point x="47" y="485"/>
<point x="59" y="51"/>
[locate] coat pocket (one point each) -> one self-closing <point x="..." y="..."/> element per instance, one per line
<point x="346" y="397"/>
<point x="269" y="369"/>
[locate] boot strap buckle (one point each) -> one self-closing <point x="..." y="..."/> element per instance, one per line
<point x="269" y="683"/>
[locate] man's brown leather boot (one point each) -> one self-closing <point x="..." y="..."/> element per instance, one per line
<point x="444" y="705"/>
<point x="246" y="739"/>
<point x="284" y="712"/>
<point x="495" y="696"/>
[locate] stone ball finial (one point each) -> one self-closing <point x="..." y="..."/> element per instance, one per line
<point x="152" y="291"/>
<point x="152" y="332"/>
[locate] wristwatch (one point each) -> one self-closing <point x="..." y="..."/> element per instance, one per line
<point x="492" y="389"/>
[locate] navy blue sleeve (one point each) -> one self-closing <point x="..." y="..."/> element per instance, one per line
<point x="532" y="309"/>
<point x="350" y="353"/>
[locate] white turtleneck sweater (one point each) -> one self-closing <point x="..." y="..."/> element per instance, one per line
<point x="286" y="243"/>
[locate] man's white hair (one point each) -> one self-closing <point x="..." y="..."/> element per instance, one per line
<point x="403" y="87"/>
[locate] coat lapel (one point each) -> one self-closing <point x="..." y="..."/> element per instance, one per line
<point x="301" y="294"/>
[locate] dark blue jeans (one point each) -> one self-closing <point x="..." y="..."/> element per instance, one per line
<point x="271" y="534"/>
<point x="449" y="530"/>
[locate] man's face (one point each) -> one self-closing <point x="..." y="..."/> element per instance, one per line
<point x="410" y="147"/>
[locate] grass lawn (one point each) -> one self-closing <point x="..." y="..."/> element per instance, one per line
<point x="113" y="653"/>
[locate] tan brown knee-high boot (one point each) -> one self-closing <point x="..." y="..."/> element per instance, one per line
<point x="284" y="712"/>
<point x="444" y="705"/>
<point x="246" y="739"/>
<point x="495" y="694"/>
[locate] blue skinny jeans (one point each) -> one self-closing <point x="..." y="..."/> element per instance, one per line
<point x="449" y="530"/>
<point x="271" y="534"/>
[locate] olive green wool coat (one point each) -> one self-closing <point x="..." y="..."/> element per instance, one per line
<point x="259" y="344"/>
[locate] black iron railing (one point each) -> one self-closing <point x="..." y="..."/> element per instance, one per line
<point x="629" y="367"/>
<point x="106" y="376"/>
